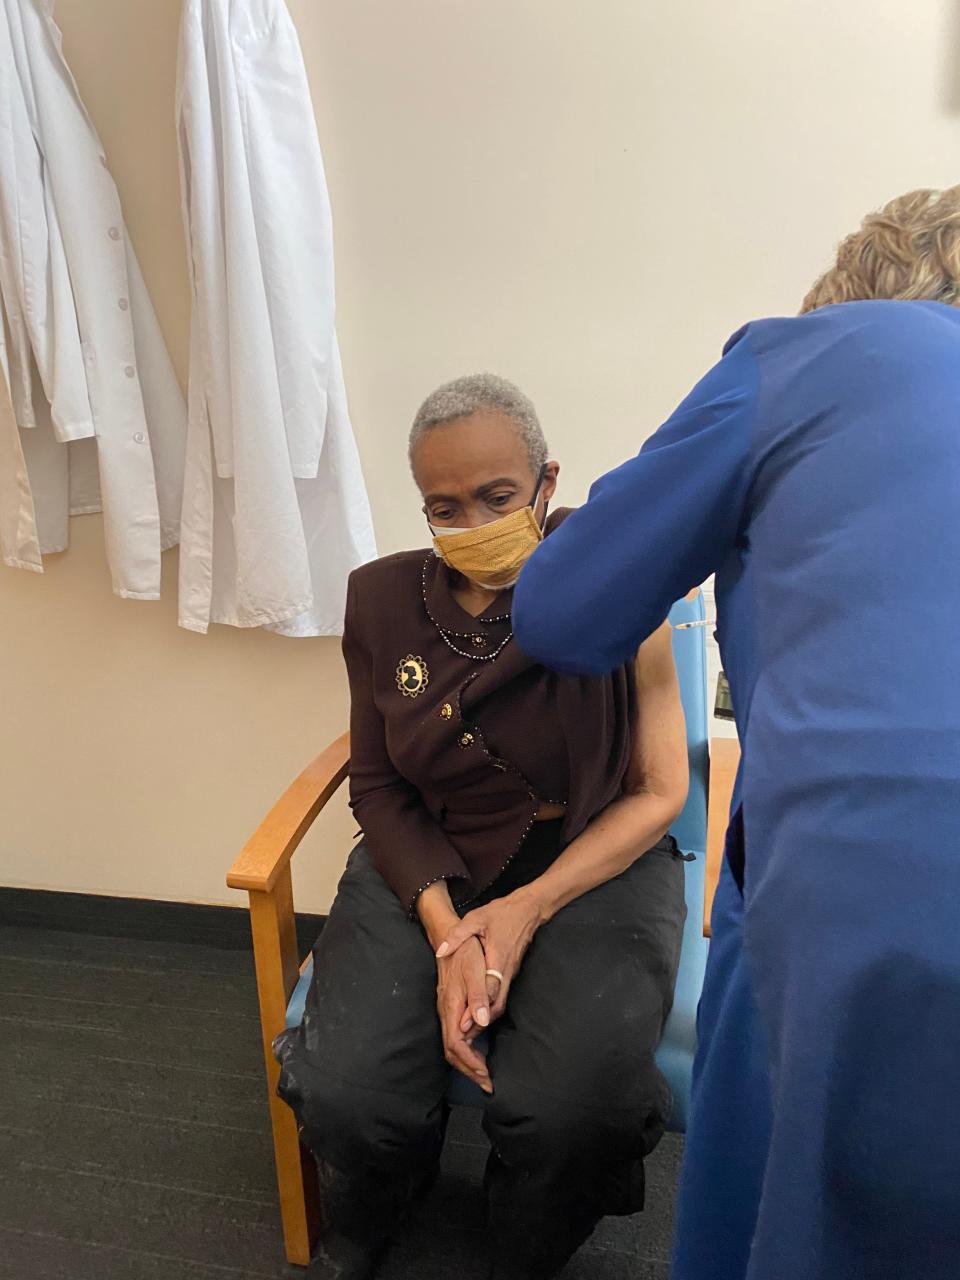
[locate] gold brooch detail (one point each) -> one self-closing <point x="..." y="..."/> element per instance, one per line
<point x="412" y="676"/>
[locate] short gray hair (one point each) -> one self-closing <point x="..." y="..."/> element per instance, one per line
<point x="474" y="393"/>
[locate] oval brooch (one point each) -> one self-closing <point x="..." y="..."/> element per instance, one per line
<point x="412" y="676"/>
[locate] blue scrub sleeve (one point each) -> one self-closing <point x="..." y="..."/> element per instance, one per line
<point x="651" y="530"/>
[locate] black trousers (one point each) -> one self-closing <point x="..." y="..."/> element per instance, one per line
<point x="578" y="1101"/>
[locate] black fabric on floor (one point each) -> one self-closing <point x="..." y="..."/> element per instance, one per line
<point x="135" y="1142"/>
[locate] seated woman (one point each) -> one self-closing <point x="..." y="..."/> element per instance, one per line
<point x="534" y="806"/>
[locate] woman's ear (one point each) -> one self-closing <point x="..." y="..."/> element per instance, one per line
<point x="549" y="487"/>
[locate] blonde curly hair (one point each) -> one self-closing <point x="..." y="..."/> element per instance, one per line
<point x="909" y="249"/>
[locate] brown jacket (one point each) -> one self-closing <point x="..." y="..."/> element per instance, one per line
<point x="456" y="736"/>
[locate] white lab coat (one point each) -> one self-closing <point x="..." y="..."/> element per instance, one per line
<point x="89" y="387"/>
<point x="275" y="511"/>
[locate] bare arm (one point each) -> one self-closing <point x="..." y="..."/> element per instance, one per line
<point x="654" y="792"/>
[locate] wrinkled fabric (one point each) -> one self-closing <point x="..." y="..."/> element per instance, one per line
<point x="275" y="511"/>
<point x="83" y="357"/>
<point x="19" y="542"/>
<point x="816" y="470"/>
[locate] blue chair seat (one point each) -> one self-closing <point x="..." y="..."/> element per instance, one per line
<point x="677" y="1046"/>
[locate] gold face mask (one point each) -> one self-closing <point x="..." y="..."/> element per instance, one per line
<point x="493" y="554"/>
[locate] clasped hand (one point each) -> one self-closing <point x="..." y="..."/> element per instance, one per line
<point x="469" y="999"/>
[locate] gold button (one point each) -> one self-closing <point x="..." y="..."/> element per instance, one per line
<point x="446" y="711"/>
<point x="466" y="740"/>
<point x="479" y="641"/>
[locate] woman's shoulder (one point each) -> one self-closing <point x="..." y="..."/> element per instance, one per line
<point x="390" y="576"/>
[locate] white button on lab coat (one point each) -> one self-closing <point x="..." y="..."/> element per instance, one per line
<point x="275" y="511"/>
<point x="77" y="365"/>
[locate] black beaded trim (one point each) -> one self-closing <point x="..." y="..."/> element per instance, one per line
<point x="464" y="902"/>
<point x="412" y="909"/>
<point x="505" y="766"/>
<point x="472" y="657"/>
<point x="446" y="632"/>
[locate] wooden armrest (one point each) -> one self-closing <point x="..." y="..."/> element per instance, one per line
<point x="269" y="850"/>
<point x="263" y="869"/>
<point x="724" y="762"/>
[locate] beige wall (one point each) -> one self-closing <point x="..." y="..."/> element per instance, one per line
<point x="587" y="198"/>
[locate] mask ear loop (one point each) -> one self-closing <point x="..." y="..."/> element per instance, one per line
<point x="536" y="494"/>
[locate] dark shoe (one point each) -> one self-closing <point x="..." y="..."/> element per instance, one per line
<point x="339" y="1258"/>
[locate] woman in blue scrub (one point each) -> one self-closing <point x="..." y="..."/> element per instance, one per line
<point x="816" y="471"/>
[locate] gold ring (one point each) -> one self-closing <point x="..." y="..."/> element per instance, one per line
<point x="494" y="973"/>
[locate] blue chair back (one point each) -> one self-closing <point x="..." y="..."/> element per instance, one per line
<point x="675" y="1053"/>
<point x="677" y="1047"/>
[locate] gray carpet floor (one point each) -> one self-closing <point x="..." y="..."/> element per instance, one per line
<point x="134" y="1140"/>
